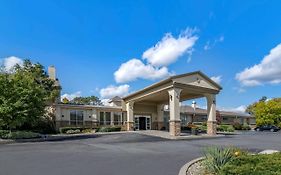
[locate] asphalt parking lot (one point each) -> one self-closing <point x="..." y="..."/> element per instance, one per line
<point x="119" y="154"/>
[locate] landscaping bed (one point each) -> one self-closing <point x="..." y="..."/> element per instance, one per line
<point x="232" y="161"/>
<point x="80" y="130"/>
<point x="5" y="134"/>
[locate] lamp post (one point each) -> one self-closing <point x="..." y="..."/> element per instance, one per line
<point x="193" y="105"/>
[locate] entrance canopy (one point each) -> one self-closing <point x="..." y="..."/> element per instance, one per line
<point x="192" y="85"/>
<point x="172" y="91"/>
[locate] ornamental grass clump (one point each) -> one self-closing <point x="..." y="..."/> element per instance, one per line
<point x="216" y="158"/>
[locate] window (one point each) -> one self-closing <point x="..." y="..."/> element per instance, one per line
<point x="105" y="118"/>
<point x="117" y="118"/>
<point x="101" y="118"/>
<point x="148" y="123"/>
<point x="183" y="120"/>
<point x="224" y="118"/>
<point x="76" y="117"/>
<point x="136" y="123"/>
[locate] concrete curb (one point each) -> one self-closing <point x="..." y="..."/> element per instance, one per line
<point x="49" y="138"/>
<point x="60" y="137"/>
<point x="184" y="168"/>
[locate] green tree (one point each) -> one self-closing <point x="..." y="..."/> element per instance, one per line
<point x="267" y="111"/>
<point x="251" y="107"/>
<point x="93" y="100"/>
<point x="25" y="92"/>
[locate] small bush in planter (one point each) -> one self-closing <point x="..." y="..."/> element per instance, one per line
<point x="216" y="158"/>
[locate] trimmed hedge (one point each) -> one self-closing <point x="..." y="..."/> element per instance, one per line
<point x="238" y="126"/>
<point x="109" y="129"/>
<point x="262" y="164"/>
<point x="5" y="134"/>
<point x="225" y="128"/>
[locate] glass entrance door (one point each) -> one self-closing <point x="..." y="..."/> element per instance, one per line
<point x="142" y="122"/>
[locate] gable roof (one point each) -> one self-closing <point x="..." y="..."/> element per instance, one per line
<point x="171" y="78"/>
<point x="116" y="98"/>
<point x="200" y="73"/>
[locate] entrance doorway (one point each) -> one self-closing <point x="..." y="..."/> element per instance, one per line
<point x="142" y="122"/>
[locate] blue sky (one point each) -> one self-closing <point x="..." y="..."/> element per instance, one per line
<point x="88" y="41"/>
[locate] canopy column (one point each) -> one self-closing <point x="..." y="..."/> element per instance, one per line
<point x="211" y="112"/>
<point x="174" y="105"/>
<point x="130" y="116"/>
<point x="160" y="116"/>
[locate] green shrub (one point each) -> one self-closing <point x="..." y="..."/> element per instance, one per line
<point x="109" y="129"/>
<point x="254" y="165"/>
<point x="4" y="133"/>
<point x="87" y="131"/>
<point x="202" y="128"/>
<point x="216" y="158"/>
<point x="43" y="126"/>
<point x="237" y="126"/>
<point x="230" y="129"/>
<point x="19" y="135"/>
<point x="246" y="127"/>
<point x="225" y="128"/>
<point x="204" y="123"/>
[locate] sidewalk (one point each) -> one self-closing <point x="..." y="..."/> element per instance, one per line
<point x="183" y="136"/>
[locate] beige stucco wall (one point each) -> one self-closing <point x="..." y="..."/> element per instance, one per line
<point x="193" y="80"/>
<point x="66" y="113"/>
<point x="147" y="109"/>
<point x="89" y="114"/>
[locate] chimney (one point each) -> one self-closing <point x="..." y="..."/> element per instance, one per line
<point x="52" y="72"/>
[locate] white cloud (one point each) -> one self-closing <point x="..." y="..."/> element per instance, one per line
<point x="217" y="79"/>
<point x="239" y="109"/>
<point x="210" y="44"/>
<point x="10" y="62"/>
<point x="134" y="69"/>
<point x="207" y="46"/>
<point x="112" y="91"/>
<point x="169" y="49"/>
<point x="267" y="71"/>
<point x="240" y="89"/>
<point x="71" y="96"/>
